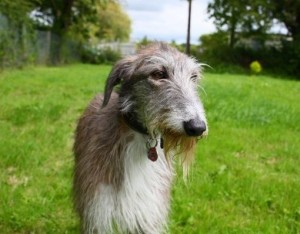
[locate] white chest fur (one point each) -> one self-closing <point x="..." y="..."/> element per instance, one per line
<point x="142" y="202"/>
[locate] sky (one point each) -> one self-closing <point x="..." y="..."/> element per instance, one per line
<point x="166" y="20"/>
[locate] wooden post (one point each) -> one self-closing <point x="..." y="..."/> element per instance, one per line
<point x="189" y="29"/>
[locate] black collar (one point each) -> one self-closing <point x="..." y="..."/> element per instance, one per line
<point x="131" y="120"/>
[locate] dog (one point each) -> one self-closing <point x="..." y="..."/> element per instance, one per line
<point x="126" y="141"/>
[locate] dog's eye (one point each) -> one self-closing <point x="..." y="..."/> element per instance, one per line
<point x="158" y="75"/>
<point x="194" y="78"/>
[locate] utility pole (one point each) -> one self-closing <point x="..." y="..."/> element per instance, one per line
<point x="189" y="29"/>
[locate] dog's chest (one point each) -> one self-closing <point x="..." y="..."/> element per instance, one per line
<point x="143" y="199"/>
<point x="144" y="179"/>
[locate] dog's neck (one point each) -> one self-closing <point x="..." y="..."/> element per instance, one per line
<point x="131" y="120"/>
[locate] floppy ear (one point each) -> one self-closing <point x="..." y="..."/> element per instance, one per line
<point x="122" y="70"/>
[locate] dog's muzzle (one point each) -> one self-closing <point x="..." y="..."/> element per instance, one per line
<point x="194" y="127"/>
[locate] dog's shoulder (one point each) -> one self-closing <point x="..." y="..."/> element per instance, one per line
<point x="95" y="106"/>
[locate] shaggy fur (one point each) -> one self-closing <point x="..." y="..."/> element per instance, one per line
<point x="116" y="187"/>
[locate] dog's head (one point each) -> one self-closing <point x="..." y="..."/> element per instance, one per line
<point x="159" y="86"/>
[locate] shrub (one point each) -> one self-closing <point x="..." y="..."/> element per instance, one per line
<point x="281" y="56"/>
<point x="99" y="55"/>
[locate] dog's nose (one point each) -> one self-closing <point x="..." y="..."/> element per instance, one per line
<point x="194" y="127"/>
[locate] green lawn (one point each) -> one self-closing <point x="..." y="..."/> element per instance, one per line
<point x="246" y="178"/>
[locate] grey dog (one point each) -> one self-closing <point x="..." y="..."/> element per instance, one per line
<point x="126" y="141"/>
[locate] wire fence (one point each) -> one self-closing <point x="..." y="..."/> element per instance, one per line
<point x="21" y="44"/>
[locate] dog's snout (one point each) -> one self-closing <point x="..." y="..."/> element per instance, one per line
<point x="194" y="127"/>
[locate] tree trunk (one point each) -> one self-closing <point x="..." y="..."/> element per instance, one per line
<point x="232" y="37"/>
<point x="232" y="29"/>
<point x="61" y="25"/>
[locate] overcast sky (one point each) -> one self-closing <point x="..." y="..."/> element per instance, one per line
<point x="167" y="19"/>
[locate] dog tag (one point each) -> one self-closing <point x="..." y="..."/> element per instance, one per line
<point x="152" y="154"/>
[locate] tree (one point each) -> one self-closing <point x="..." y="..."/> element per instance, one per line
<point x="61" y="16"/>
<point x="16" y="11"/>
<point x="58" y="16"/>
<point x="247" y="16"/>
<point x="288" y="12"/>
<point x="113" y="24"/>
<point x="225" y="13"/>
<point x="76" y="19"/>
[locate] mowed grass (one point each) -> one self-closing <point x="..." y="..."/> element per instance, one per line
<point x="246" y="178"/>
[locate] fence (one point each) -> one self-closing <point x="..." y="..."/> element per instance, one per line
<point x="125" y="48"/>
<point x="21" y="44"/>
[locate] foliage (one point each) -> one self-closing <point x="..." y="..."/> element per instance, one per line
<point x="181" y="47"/>
<point x="16" y="30"/>
<point x="249" y="17"/>
<point x="68" y="20"/>
<point x="215" y="52"/>
<point x="285" y="60"/>
<point x="113" y="23"/>
<point x="288" y="12"/>
<point x="245" y="178"/>
<point x="214" y="40"/>
<point x="96" y="55"/>
<point x="255" y="67"/>
<point x="60" y="15"/>
<point x="144" y="42"/>
<point x="280" y="57"/>
<point x="16" y="11"/>
<point x="251" y="20"/>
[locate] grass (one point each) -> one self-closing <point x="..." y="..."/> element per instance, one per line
<point x="246" y="178"/>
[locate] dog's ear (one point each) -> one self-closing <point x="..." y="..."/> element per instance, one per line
<point x="121" y="71"/>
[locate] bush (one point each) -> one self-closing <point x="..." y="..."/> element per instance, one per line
<point x="99" y="55"/>
<point x="279" y="57"/>
<point x="16" y="47"/>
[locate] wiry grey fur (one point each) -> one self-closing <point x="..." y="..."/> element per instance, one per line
<point x="116" y="187"/>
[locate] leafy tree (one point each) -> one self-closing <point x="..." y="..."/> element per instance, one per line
<point x="255" y="17"/>
<point x="59" y="16"/>
<point x="144" y="42"/>
<point x="113" y="23"/>
<point x="16" y="11"/>
<point x="288" y="12"/>
<point x="77" y="17"/>
<point x="252" y="17"/>
<point x="226" y="13"/>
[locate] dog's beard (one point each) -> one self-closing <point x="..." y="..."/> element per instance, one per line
<point x="175" y="143"/>
<point x="181" y="145"/>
